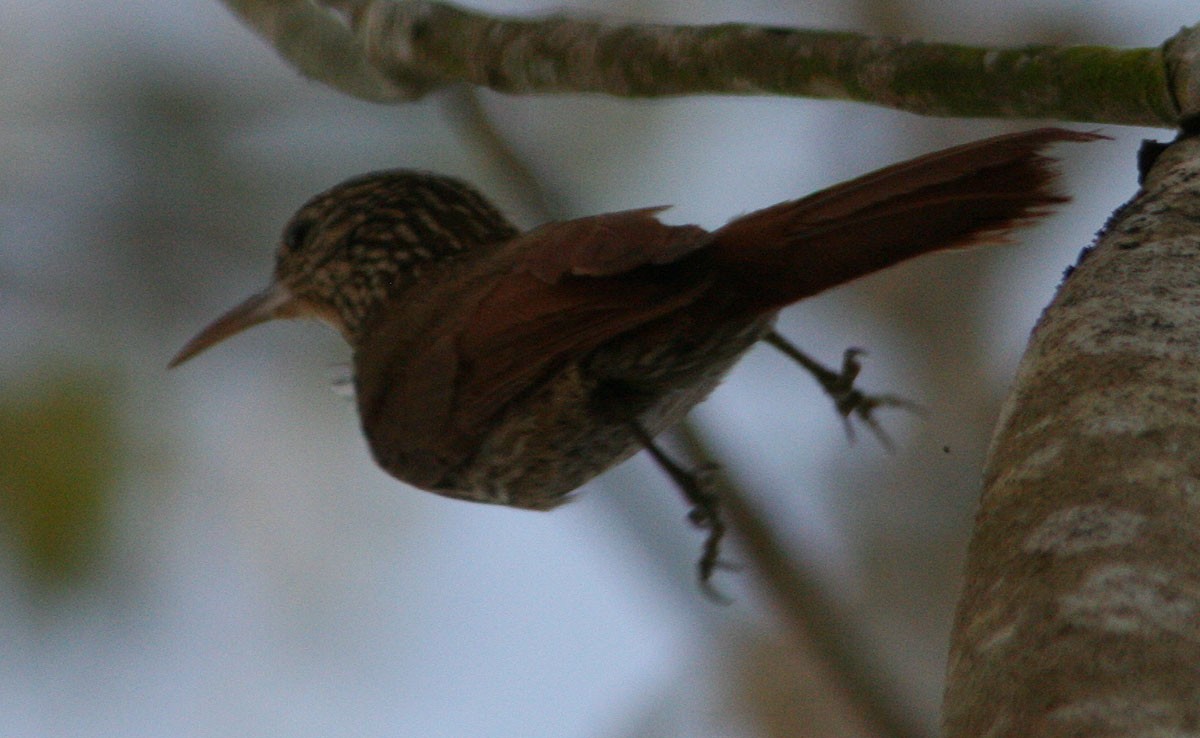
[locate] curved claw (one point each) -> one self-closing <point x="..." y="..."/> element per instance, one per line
<point x="705" y="511"/>
<point x="847" y="399"/>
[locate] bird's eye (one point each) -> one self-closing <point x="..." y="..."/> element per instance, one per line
<point x="295" y="235"/>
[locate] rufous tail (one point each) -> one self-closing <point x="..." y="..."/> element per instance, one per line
<point x="958" y="197"/>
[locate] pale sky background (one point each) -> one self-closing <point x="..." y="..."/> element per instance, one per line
<point x="261" y="577"/>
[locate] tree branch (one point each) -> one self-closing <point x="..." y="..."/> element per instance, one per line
<point x="821" y="625"/>
<point x="1081" y="613"/>
<point x="320" y="46"/>
<point x="388" y="50"/>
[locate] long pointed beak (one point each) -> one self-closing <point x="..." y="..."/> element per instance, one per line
<point x="273" y="302"/>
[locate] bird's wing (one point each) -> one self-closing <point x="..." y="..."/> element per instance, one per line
<point x="430" y="385"/>
<point x="603" y="245"/>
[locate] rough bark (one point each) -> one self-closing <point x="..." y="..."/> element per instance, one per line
<point x="1081" y="612"/>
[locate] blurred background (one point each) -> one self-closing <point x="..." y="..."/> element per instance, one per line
<point x="210" y="551"/>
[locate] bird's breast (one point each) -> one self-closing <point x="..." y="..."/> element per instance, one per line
<point x="580" y="422"/>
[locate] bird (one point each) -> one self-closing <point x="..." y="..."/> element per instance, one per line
<point x="510" y="367"/>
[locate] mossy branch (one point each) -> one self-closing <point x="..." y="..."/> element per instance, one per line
<point x="396" y="50"/>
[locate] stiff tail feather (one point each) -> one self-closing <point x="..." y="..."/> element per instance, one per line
<point x="966" y="195"/>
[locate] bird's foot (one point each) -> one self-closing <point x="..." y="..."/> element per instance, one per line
<point x="699" y="490"/>
<point x="839" y="385"/>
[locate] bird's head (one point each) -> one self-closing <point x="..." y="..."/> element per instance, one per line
<point x="349" y="249"/>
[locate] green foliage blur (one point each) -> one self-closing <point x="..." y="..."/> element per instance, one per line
<point x="59" y="460"/>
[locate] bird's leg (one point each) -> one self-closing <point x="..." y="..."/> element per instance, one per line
<point x="698" y="491"/>
<point x="839" y="385"/>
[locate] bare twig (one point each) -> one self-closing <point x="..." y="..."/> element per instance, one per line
<point x="815" y="617"/>
<point x="320" y="46"/>
<point x="395" y="50"/>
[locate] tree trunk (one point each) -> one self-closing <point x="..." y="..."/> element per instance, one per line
<point x="1081" y="610"/>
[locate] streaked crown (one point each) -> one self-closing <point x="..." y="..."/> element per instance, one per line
<point x="353" y="246"/>
<point x="349" y="249"/>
